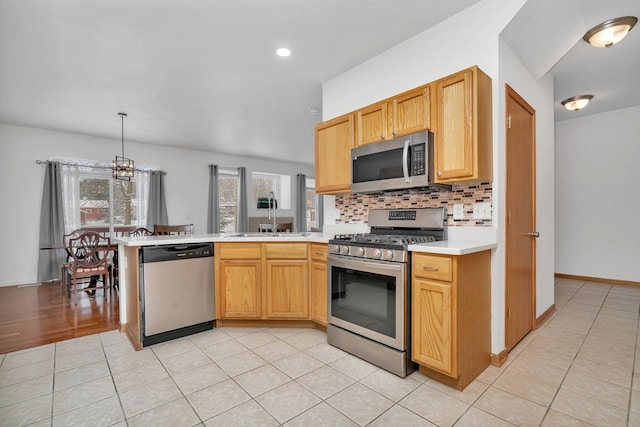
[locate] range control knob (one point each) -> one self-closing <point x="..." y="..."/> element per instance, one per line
<point x="344" y="250"/>
<point x="388" y="254"/>
<point x="360" y="251"/>
<point x="377" y="253"/>
<point x="335" y="249"/>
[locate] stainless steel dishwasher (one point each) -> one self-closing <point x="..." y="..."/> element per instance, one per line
<point x="176" y="291"/>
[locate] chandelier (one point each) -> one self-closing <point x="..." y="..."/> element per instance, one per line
<point x="122" y="168"/>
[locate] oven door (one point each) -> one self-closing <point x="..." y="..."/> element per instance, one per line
<point x="369" y="299"/>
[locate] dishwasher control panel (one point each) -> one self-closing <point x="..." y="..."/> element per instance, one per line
<point x="162" y="253"/>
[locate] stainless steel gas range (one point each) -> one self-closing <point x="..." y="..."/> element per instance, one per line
<point x="369" y="303"/>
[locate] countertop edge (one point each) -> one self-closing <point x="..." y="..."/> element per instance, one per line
<point x="214" y="238"/>
<point x="453" y="247"/>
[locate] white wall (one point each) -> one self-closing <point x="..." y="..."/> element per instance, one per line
<point x="597" y="200"/>
<point x="469" y="38"/>
<point x="21" y="181"/>
<point x="539" y="94"/>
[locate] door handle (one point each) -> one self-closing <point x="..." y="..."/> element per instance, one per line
<point x="534" y="234"/>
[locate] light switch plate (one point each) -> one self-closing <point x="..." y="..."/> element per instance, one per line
<point x="482" y="211"/>
<point x="458" y="211"/>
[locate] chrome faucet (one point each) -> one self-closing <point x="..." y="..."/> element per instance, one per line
<point x="272" y="199"/>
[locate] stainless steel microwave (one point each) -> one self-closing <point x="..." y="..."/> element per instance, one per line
<point x="400" y="163"/>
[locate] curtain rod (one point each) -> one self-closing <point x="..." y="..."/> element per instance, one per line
<point x="42" y="162"/>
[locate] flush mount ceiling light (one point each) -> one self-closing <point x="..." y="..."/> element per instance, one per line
<point x="610" y="32"/>
<point x="122" y="168"/>
<point x="283" y="51"/>
<point x="577" y="102"/>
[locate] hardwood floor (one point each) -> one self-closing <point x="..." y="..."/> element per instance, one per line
<point x="33" y="315"/>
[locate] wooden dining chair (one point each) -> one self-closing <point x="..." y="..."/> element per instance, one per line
<point x="140" y="231"/>
<point x="161" y="229"/>
<point x="94" y="263"/>
<point x="64" y="271"/>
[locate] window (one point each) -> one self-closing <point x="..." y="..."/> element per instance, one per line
<point x="100" y="195"/>
<point x="312" y="204"/>
<point x="228" y="200"/>
<point x="263" y="183"/>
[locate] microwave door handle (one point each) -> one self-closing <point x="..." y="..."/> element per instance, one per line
<point x="405" y="160"/>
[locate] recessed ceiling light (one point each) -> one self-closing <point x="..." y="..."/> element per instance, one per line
<point x="610" y="32"/>
<point x="576" y="103"/>
<point x="283" y="51"/>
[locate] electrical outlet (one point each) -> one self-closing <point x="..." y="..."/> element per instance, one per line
<point x="458" y="211"/>
<point x="482" y="211"/>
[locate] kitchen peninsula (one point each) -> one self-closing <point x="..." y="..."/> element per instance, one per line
<point x="280" y="279"/>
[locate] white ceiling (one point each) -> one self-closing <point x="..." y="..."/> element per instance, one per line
<point x="203" y="74"/>
<point x="547" y="36"/>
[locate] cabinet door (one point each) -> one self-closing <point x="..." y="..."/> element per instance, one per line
<point x="287" y="289"/>
<point x="453" y="149"/>
<point x="434" y="332"/>
<point x="334" y="140"/>
<point x="410" y="112"/>
<point x="371" y="124"/>
<point x="319" y="291"/>
<point x="240" y="282"/>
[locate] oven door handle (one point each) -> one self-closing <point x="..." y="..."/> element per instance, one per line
<point x="366" y="265"/>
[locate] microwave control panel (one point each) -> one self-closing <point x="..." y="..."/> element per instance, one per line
<point x="418" y="160"/>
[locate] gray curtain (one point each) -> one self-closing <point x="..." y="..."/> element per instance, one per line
<point x="213" y="220"/>
<point x="51" y="225"/>
<point x="320" y="211"/>
<point x="157" y="203"/>
<point x="243" y="211"/>
<point x="301" y="202"/>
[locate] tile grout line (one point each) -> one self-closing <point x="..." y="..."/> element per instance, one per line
<point x="577" y="352"/>
<point x="611" y="287"/>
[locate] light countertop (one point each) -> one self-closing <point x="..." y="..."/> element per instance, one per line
<point x="221" y="237"/>
<point x="453" y="247"/>
<point x="449" y="247"/>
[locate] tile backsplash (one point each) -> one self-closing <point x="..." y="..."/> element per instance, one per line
<point x="354" y="207"/>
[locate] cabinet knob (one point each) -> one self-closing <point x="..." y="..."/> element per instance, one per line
<point x="394" y="133"/>
<point x="381" y="136"/>
<point x="439" y="173"/>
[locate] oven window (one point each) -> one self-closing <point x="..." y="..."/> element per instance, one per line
<point x="364" y="299"/>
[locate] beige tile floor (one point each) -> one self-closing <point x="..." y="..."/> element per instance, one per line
<point x="577" y="369"/>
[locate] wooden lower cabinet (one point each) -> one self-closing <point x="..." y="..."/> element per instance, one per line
<point x="240" y="290"/>
<point x="451" y="316"/>
<point x="434" y="329"/>
<point x="287" y="288"/>
<point x="319" y="300"/>
<point x="238" y="280"/>
<point x="262" y="281"/>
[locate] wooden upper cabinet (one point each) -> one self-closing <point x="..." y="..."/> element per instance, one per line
<point x="371" y="124"/>
<point x="401" y="115"/>
<point x="410" y="112"/>
<point x="334" y="140"/>
<point x="463" y="135"/>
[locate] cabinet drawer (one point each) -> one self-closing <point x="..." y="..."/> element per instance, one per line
<point x="239" y="251"/>
<point x="285" y="250"/>
<point x="433" y="267"/>
<point x="319" y="252"/>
